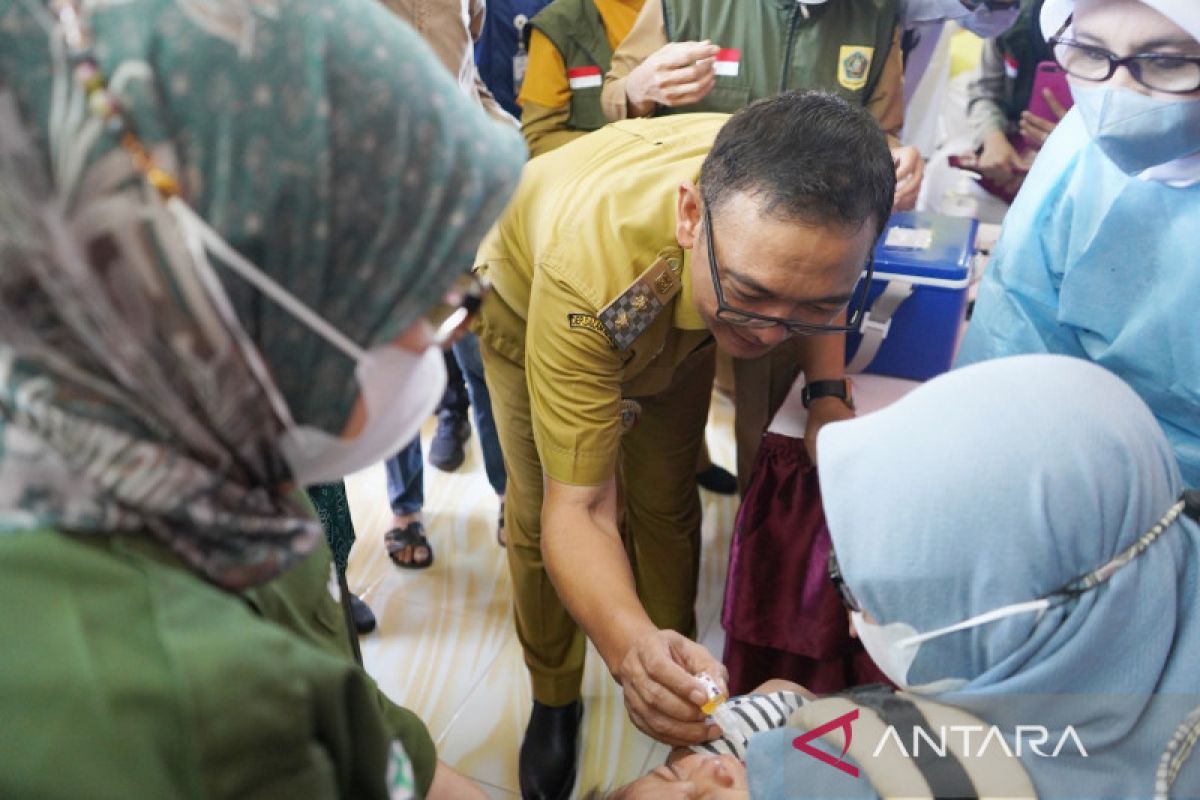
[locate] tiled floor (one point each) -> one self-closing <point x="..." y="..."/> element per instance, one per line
<point x="446" y="647"/>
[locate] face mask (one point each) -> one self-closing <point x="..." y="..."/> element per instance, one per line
<point x="1135" y="131"/>
<point x="986" y="19"/>
<point x="399" y="388"/>
<point x="893" y="647"/>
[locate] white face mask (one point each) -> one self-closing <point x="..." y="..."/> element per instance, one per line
<point x="893" y="647"/>
<point x="399" y="388"/>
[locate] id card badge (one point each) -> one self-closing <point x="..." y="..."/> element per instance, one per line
<point x="521" y="59"/>
<point x="520" y="63"/>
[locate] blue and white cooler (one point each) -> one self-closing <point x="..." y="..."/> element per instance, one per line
<point x="918" y="297"/>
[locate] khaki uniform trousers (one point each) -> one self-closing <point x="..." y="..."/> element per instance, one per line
<point x="660" y="507"/>
<point x="760" y="385"/>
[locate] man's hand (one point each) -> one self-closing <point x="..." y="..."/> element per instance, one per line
<point x="910" y="169"/>
<point x="1035" y="129"/>
<point x="821" y="411"/>
<point x="662" y="695"/>
<point x="677" y="74"/>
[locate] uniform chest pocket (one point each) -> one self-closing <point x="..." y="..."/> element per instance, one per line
<point x="727" y="96"/>
<point x="586" y="111"/>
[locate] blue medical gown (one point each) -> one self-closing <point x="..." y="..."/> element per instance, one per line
<point x="1101" y="265"/>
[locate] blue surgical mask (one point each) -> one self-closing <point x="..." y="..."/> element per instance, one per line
<point x="1135" y="131"/>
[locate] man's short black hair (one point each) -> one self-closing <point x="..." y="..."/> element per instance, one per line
<point x="808" y="156"/>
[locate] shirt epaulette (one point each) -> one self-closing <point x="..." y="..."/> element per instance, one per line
<point x="631" y="313"/>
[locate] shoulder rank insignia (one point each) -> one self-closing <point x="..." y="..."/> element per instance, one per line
<point x="628" y="317"/>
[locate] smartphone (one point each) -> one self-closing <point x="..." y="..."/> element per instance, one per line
<point x="1049" y="76"/>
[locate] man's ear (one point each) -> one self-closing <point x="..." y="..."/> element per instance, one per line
<point x="687" y="215"/>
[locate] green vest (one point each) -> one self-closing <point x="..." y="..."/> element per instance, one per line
<point x="770" y="46"/>
<point x="576" y="29"/>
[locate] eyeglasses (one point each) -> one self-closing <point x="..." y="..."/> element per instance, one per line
<point x="839" y="583"/>
<point x="749" y="319"/>
<point x="1157" y="71"/>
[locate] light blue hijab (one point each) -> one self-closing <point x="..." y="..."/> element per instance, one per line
<point x="997" y="484"/>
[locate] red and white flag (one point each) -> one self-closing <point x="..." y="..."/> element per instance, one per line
<point x="1011" y="67"/>
<point x="727" y="62"/>
<point x="584" y="77"/>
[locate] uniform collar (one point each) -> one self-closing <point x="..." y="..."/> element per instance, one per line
<point x="686" y="316"/>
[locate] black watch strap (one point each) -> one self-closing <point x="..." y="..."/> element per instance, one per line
<point x="814" y="390"/>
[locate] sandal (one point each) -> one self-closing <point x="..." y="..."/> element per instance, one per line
<point x="410" y="538"/>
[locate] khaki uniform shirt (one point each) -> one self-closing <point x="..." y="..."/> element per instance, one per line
<point x="590" y="231"/>
<point x="649" y="34"/>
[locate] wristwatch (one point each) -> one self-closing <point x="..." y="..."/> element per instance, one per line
<point x="839" y="388"/>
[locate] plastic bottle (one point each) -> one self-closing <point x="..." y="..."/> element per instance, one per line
<point x="715" y="708"/>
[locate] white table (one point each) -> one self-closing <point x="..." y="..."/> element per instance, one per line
<point x="871" y="393"/>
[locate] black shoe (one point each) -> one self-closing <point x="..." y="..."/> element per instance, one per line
<point x="360" y="612"/>
<point x="446" y="449"/>
<point x="717" y="480"/>
<point x="547" y="763"/>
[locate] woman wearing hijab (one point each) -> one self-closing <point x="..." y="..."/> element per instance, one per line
<point x="220" y="226"/>
<point x="1011" y="543"/>
<point x="958" y="515"/>
<point x="1097" y="258"/>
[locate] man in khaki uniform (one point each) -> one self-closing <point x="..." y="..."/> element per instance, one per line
<point x="598" y="349"/>
<point x="671" y="62"/>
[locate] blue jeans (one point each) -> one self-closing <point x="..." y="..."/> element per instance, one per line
<point x="406" y="470"/>
<point x="406" y="479"/>
<point x="466" y="350"/>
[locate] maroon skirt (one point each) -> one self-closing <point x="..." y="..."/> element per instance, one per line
<point x="782" y="616"/>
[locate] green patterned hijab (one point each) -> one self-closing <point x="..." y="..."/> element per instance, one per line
<point x="326" y="144"/>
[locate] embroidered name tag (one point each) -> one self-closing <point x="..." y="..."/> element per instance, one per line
<point x="590" y="323"/>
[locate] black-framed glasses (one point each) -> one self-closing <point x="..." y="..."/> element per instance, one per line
<point x="749" y="319"/>
<point x="1157" y="71"/>
<point x="839" y="583"/>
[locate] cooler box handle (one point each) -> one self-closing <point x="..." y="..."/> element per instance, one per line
<point x="877" y="322"/>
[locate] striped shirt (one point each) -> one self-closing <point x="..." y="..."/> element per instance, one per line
<point x="750" y="714"/>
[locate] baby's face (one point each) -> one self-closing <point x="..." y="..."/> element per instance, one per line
<point x="694" y="777"/>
